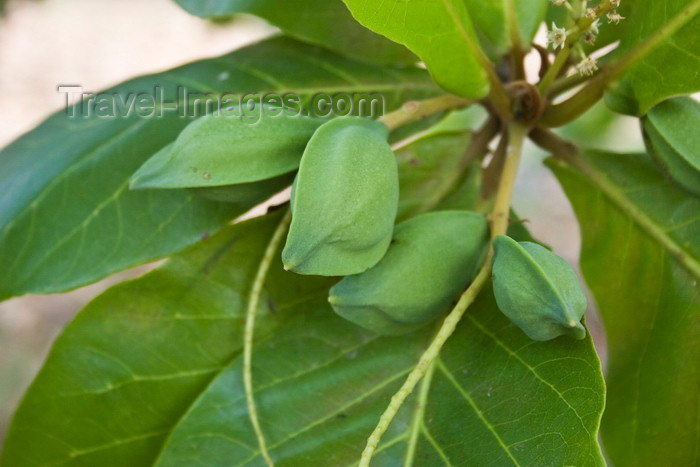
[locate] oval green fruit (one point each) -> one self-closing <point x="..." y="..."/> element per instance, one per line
<point x="344" y="199"/>
<point x="538" y="290"/>
<point x="228" y="150"/>
<point x="672" y="138"/>
<point x="432" y="258"/>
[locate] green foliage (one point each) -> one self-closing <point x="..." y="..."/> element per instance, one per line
<point x="323" y="22"/>
<point x="676" y="25"/>
<point x="54" y="237"/>
<point x="222" y="357"/>
<point x="157" y="363"/>
<point x="440" y="33"/>
<point x="431" y="258"/>
<point x="673" y="139"/>
<point x="537" y="290"/>
<point x="646" y="283"/>
<point x="179" y="326"/>
<point x="228" y="150"/>
<point x="344" y="200"/>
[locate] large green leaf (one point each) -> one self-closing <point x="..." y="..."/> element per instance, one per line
<point x="127" y="368"/>
<point x="440" y="32"/>
<point x="493" y="19"/>
<point x="670" y="67"/>
<point x="641" y="251"/>
<point x="67" y="217"/>
<point x="324" y="22"/>
<point x="150" y="374"/>
<point x="495" y="398"/>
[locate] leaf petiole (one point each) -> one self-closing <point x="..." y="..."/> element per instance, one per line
<point x="412" y="111"/>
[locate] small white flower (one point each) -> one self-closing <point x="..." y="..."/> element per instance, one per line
<point x="587" y="67"/>
<point x="557" y="36"/>
<point x="614" y="3"/>
<point x="614" y="17"/>
<point x="594" y="27"/>
<point x="591" y="13"/>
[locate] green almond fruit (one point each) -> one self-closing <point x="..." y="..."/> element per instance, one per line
<point x="672" y="138"/>
<point x="228" y="150"/>
<point x="537" y="290"/>
<point x="344" y="200"/>
<point x="432" y="258"/>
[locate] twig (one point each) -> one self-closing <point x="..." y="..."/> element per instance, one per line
<point x="412" y="111"/>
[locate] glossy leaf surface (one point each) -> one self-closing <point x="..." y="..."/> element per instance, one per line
<point x="439" y="32"/>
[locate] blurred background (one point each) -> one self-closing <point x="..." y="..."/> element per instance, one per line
<point x="98" y="43"/>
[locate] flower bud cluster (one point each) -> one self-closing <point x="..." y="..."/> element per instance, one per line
<point x="586" y="27"/>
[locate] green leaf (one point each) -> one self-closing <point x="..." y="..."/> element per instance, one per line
<point x="130" y="365"/>
<point x="150" y="374"/>
<point x="321" y="385"/>
<point x="432" y="165"/>
<point x="67" y="217"/>
<point x="428" y="172"/>
<point x="667" y="64"/>
<point x="229" y="149"/>
<point x="493" y="18"/>
<point x="324" y="22"/>
<point x="640" y="257"/>
<point x="672" y="137"/>
<point x="439" y="32"/>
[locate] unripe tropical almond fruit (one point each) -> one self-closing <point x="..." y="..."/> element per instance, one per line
<point x="537" y="290"/>
<point x="673" y="140"/>
<point x="220" y="150"/>
<point x="344" y="200"/>
<point x="432" y="258"/>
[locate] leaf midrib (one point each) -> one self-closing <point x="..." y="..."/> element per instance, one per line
<point x="646" y="224"/>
